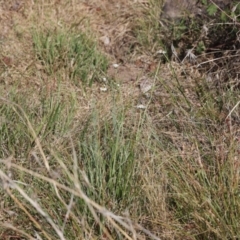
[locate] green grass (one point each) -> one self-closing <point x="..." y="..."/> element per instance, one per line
<point x="73" y="53"/>
<point x="78" y="163"/>
<point x="95" y="159"/>
<point x="147" y="28"/>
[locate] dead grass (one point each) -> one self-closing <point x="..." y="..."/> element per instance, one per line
<point x="106" y="160"/>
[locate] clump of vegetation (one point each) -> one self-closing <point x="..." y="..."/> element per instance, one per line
<point x="97" y="160"/>
<point x="211" y="34"/>
<point x="73" y="53"/>
<point x="87" y="159"/>
<point x="203" y="32"/>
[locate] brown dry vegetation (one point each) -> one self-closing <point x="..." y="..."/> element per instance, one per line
<point x="181" y="135"/>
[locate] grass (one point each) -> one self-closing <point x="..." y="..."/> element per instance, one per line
<point x="74" y="54"/>
<point x="95" y="159"/>
<point x="81" y="163"/>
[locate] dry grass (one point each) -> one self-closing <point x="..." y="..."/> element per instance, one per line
<point x="80" y="159"/>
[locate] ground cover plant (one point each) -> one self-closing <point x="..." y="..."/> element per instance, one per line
<point x="75" y="53"/>
<point x="104" y="135"/>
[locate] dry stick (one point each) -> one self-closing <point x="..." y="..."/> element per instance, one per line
<point x="38" y="226"/>
<point x="33" y="203"/>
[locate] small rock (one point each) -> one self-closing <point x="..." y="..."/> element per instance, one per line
<point x="115" y="65"/>
<point x="141" y="106"/>
<point x="103" y="89"/>
<point x="105" y="40"/>
<point x="145" y="85"/>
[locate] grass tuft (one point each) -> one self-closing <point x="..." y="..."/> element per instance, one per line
<point x="75" y="54"/>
